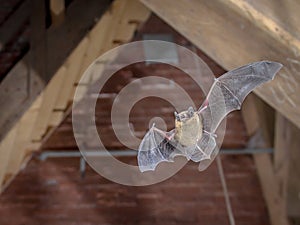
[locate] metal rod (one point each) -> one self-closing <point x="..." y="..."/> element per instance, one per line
<point x="225" y="190"/>
<point x="70" y="154"/>
<point x="73" y="153"/>
<point x="82" y="167"/>
<point x="246" y="151"/>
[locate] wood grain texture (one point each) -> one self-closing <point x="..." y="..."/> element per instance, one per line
<point x="258" y="124"/>
<point x="286" y="166"/>
<point x="232" y="40"/>
<point x="24" y="130"/>
<point x="281" y="154"/>
<point x="18" y="91"/>
<point x="49" y="98"/>
<point x="5" y="147"/>
<point x="60" y="42"/>
<point x="278" y="18"/>
<point x="49" y="109"/>
<point x="14" y="23"/>
<point x="57" y="8"/>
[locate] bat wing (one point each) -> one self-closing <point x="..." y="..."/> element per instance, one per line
<point x="229" y="91"/>
<point x="226" y="95"/>
<point x="204" y="148"/>
<point x="155" y="148"/>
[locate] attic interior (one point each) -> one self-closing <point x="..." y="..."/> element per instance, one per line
<point x="46" y="47"/>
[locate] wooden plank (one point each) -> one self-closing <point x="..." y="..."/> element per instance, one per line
<point x="61" y="41"/>
<point x="65" y="96"/>
<point x="38" y="45"/>
<point x="279" y="18"/>
<point x="57" y="8"/>
<point x="56" y="118"/>
<point x="16" y="94"/>
<point x="50" y="96"/>
<point x="22" y="138"/>
<point x="13" y="24"/>
<point x="211" y="24"/>
<point x="257" y="124"/>
<point x="103" y="37"/>
<point x="50" y="107"/>
<point x="5" y="147"/>
<point x="72" y="65"/>
<point x="286" y="166"/>
<point x="281" y="154"/>
<point x="100" y="39"/>
<point x="271" y="191"/>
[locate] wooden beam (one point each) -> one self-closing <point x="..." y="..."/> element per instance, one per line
<point x="35" y="125"/>
<point x="57" y="8"/>
<point x="17" y="93"/>
<point x="73" y="67"/>
<point x="280" y="19"/>
<point x="50" y="96"/>
<point x="62" y="40"/>
<point x="231" y="38"/>
<point x="255" y="113"/>
<point x="38" y="44"/>
<point x="16" y="96"/>
<point x="286" y="166"/>
<point x="281" y="154"/>
<point x="22" y="139"/>
<point x="5" y="146"/>
<point x="14" y="23"/>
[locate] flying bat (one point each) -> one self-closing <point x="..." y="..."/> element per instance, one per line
<point x="194" y="134"/>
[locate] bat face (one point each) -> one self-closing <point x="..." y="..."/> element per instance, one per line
<point x="188" y="127"/>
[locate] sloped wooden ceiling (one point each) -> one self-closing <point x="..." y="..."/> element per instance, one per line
<point x="49" y="108"/>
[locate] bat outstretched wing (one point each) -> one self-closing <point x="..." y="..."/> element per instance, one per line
<point x="156" y="147"/>
<point x="229" y="91"/>
<point x="226" y="95"/>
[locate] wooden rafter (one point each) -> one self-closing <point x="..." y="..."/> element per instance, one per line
<point x="49" y="50"/>
<point x="257" y="120"/>
<point x="48" y="110"/>
<point x="228" y="32"/>
<point x="57" y="8"/>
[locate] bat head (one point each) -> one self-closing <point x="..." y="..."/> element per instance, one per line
<point x="185" y="115"/>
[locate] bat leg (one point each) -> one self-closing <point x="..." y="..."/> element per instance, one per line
<point x="170" y="136"/>
<point x="204" y="147"/>
<point x="199" y="155"/>
<point x="211" y="134"/>
<point x="155" y="148"/>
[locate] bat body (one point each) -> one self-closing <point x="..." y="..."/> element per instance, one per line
<point x="188" y="127"/>
<point x="193" y="136"/>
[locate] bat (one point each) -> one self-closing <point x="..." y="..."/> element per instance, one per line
<point x="194" y="134"/>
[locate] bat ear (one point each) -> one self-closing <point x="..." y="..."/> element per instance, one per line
<point x="191" y="111"/>
<point x="176" y="116"/>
